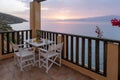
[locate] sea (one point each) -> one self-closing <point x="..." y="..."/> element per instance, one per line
<point x="78" y="28"/>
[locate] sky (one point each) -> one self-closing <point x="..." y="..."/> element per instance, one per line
<point x="63" y="9"/>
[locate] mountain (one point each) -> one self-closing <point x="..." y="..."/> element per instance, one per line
<point x="96" y="19"/>
<point x="10" y="19"/>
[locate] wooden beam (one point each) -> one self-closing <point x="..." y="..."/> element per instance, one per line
<point x="39" y="1"/>
<point x="35" y="17"/>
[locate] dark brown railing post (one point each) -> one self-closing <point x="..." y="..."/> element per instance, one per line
<point x="112" y="61"/>
<point x="83" y="52"/>
<point x="67" y="48"/>
<point x="0" y="45"/>
<point x="77" y="50"/>
<point x="89" y="54"/>
<point x="105" y="59"/>
<point x="72" y="49"/>
<point x="99" y="57"/>
<point x="64" y="47"/>
<point x="17" y="37"/>
<point x="119" y="62"/>
<point x="2" y="42"/>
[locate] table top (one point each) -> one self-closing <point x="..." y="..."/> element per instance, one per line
<point x="43" y="42"/>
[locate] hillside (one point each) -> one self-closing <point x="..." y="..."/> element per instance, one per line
<point x="9" y="19"/>
<point x="5" y="27"/>
<point x="96" y="19"/>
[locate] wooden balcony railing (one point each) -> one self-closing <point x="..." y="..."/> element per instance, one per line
<point x="15" y="36"/>
<point x="90" y="53"/>
<point x="87" y="52"/>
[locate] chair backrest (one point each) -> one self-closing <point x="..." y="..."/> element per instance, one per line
<point x="56" y="47"/>
<point x="59" y="47"/>
<point x="15" y="47"/>
<point x="52" y="47"/>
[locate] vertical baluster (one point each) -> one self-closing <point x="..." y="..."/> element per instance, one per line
<point x="63" y="46"/>
<point x="77" y="50"/>
<point x="8" y="46"/>
<point x="41" y="34"/>
<point x="97" y="56"/>
<point x="47" y="35"/>
<point x="56" y="38"/>
<point x="13" y="37"/>
<point x="2" y="42"/>
<point x="50" y="36"/>
<point x="83" y="52"/>
<point x="26" y="38"/>
<point x="72" y="49"/>
<point x="119" y="62"/>
<point x="53" y="37"/>
<point x="18" y="38"/>
<point x="67" y="47"/>
<point x="26" y="35"/>
<point x="89" y="54"/>
<point x="30" y="34"/>
<point x="22" y="39"/>
<point x="105" y="59"/>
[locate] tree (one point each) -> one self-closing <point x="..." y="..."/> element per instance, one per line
<point x="5" y="27"/>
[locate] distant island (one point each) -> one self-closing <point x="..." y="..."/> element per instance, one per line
<point x="10" y="19"/>
<point x="6" y="19"/>
<point x="94" y="19"/>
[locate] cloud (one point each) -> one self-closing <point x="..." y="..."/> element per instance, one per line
<point x="44" y="8"/>
<point x="81" y="8"/>
<point x="12" y="6"/>
<point x="68" y="8"/>
<point x="27" y="2"/>
<point x="23" y="14"/>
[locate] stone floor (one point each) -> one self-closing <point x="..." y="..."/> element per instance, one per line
<point x="8" y="71"/>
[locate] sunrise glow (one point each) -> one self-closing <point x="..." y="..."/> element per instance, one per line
<point x="62" y="10"/>
<point x="61" y="17"/>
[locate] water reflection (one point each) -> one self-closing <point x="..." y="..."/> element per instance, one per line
<point x="79" y="28"/>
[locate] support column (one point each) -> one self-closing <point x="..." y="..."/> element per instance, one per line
<point x="112" y="62"/>
<point x="59" y="38"/>
<point x="35" y="17"/>
<point x="0" y="47"/>
<point x="65" y="41"/>
<point x="4" y="56"/>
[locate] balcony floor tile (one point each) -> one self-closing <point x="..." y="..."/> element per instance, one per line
<point x="8" y="71"/>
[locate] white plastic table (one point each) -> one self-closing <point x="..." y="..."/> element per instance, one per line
<point x="34" y="43"/>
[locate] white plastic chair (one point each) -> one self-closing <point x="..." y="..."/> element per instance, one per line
<point x="48" y="57"/>
<point x="23" y="57"/>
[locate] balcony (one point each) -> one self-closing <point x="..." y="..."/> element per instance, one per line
<point x="94" y="57"/>
<point x="8" y="71"/>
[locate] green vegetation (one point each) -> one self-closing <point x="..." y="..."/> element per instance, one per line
<point x="5" y="27"/>
<point x="6" y="19"/>
<point x="9" y="19"/>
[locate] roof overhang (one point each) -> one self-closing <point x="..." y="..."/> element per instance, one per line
<point x="39" y="1"/>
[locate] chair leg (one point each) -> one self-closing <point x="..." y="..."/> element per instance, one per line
<point x="21" y="68"/>
<point x="15" y="60"/>
<point x="39" y="61"/>
<point x="20" y="63"/>
<point x="60" y="59"/>
<point x="33" y="60"/>
<point x="47" y="67"/>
